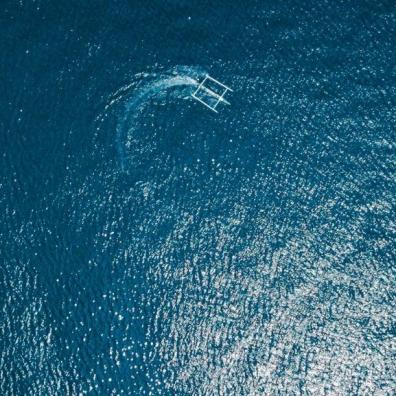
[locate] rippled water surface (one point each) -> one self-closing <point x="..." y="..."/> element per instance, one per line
<point x="149" y="246"/>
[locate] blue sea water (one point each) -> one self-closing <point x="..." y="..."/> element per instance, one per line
<point x="149" y="246"/>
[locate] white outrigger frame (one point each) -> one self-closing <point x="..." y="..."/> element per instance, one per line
<point x="220" y="98"/>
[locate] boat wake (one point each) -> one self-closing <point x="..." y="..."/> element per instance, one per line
<point x="137" y="136"/>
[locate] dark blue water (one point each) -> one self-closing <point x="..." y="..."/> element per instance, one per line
<point x="149" y="246"/>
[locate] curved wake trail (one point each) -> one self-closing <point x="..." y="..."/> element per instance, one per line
<point x="129" y="144"/>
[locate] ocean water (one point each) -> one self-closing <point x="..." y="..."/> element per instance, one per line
<point x="149" y="246"/>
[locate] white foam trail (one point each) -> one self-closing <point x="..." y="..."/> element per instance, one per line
<point x="183" y="77"/>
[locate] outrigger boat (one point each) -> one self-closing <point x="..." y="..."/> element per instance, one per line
<point x="208" y="91"/>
